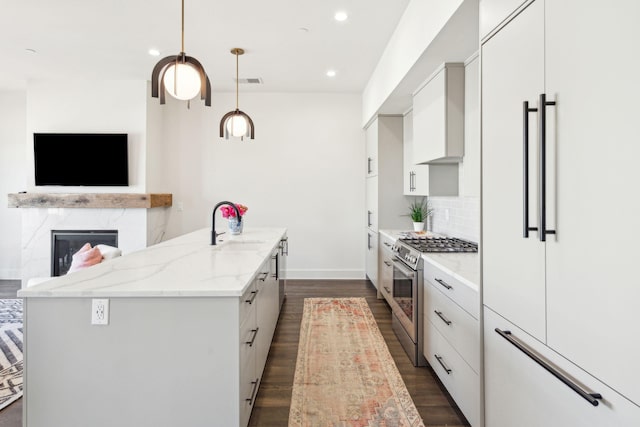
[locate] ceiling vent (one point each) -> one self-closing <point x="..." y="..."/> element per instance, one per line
<point x="250" y="81"/>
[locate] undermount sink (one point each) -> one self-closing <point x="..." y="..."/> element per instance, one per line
<point x="240" y="245"/>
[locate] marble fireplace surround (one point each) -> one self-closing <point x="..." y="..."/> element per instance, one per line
<point x="140" y="219"/>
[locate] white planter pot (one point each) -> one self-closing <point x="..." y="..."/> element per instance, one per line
<point x="418" y="226"/>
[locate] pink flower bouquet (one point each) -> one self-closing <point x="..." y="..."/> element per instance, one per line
<point x="229" y="212"/>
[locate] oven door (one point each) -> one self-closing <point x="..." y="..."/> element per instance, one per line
<point x="405" y="295"/>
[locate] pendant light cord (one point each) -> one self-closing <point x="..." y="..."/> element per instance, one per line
<point x="182" y="26"/>
<point x="237" y="81"/>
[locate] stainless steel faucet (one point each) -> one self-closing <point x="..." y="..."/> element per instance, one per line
<point x="213" y="219"/>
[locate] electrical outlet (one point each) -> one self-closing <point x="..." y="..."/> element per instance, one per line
<point x="99" y="311"/>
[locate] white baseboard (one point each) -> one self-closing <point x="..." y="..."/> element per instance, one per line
<point x="10" y="274"/>
<point x="325" y="274"/>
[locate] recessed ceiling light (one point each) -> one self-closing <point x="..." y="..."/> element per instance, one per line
<point x="331" y="73"/>
<point x="154" y="52"/>
<point x="29" y="50"/>
<point x="304" y="29"/>
<point x="340" y="16"/>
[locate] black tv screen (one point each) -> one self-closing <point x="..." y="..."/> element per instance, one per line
<point x="81" y="159"/>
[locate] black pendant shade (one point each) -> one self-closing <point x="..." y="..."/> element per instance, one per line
<point x="183" y="71"/>
<point x="157" y="77"/>
<point x="237" y="123"/>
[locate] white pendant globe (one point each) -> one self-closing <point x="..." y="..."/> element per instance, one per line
<point x="237" y="125"/>
<point x="182" y="81"/>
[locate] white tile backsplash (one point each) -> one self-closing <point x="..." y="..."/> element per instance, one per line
<point x="456" y="217"/>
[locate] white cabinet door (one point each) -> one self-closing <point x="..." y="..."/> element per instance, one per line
<point x="520" y="392"/>
<point x="372" y="257"/>
<point x="372" y="203"/>
<point x="513" y="266"/>
<point x="416" y="177"/>
<point x="371" y="135"/>
<point x="592" y="279"/>
<point x="493" y="12"/>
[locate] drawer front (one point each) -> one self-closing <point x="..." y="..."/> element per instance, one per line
<point x="518" y="391"/>
<point x="248" y="302"/>
<point x="456" y="325"/>
<point x="249" y="384"/>
<point x="460" y="293"/>
<point x="248" y="338"/>
<point x="457" y="376"/>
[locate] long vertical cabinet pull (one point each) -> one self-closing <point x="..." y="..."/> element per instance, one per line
<point x="542" y="190"/>
<point x="525" y="174"/>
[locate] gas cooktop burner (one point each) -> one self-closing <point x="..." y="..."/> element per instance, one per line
<point x="440" y="244"/>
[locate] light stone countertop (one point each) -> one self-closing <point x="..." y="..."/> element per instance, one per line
<point x="186" y="266"/>
<point x="462" y="266"/>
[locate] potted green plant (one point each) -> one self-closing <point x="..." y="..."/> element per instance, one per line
<point x="419" y="210"/>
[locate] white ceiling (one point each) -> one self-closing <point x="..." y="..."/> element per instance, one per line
<point x="92" y="39"/>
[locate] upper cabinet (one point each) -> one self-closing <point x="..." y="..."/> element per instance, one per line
<point x="438" y="117"/>
<point x="372" y="150"/>
<point x="425" y="180"/>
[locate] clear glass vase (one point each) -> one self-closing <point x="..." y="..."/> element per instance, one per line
<point x="235" y="226"/>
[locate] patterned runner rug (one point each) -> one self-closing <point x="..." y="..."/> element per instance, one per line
<point x="345" y="375"/>
<point x="11" y="364"/>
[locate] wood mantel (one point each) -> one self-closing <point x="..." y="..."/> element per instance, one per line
<point x="89" y="200"/>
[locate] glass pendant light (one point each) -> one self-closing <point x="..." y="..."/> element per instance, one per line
<point x="182" y="76"/>
<point x="236" y="123"/>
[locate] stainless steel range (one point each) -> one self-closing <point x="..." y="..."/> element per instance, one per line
<point x="407" y="292"/>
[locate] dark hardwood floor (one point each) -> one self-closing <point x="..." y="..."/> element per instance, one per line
<point x="274" y="397"/>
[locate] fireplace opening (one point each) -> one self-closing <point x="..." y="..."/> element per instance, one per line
<point x="64" y="243"/>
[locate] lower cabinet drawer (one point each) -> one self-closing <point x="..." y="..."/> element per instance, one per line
<point x="248" y="392"/>
<point x="456" y="325"/>
<point x="462" y="383"/>
<point x="520" y="392"/>
<point x="248" y="302"/>
<point x="463" y="295"/>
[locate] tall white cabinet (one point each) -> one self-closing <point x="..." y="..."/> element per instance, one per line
<point x="385" y="203"/>
<point x="568" y="299"/>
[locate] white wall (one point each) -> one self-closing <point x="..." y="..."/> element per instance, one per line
<point x="12" y="178"/>
<point x="89" y="106"/>
<point x="303" y="172"/>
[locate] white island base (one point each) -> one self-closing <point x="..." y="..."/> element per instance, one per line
<point x="179" y="349"/>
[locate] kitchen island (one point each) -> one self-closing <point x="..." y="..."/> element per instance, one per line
<point x="189" y="326"/>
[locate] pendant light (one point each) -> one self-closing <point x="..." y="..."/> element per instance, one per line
<point x="181" y="75"/>
<point x="236" y="123"/>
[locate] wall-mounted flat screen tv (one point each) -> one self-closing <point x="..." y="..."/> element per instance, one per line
<point x="81" y="159"/>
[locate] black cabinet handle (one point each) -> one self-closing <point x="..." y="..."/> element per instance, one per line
<point x="387" y="263"/>
<point x="388" y="290"/>
<point x="369" y="160"/>
<point x="443" y="283"/>
<point x="253" y="339"/>
<point x="264" y="276"/>
<point x="542" y="186"/>
<point x="525" y="174"/>
<point x="439" y="359"/>
<point x="369" y="213"/>
<point x="253" y="297"/>
<point x="284" y="246"/>
<point x="253" y="391"/>
<point x="369" y="241"/>
<point x="589" y="397"/>
<point x="444" y="319"/>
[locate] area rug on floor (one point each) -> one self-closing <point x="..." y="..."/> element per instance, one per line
<point x="11" y="364"/>
<point x="345" y="375"/>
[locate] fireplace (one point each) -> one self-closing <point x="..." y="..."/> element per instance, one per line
<point x="64" y="243"/>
